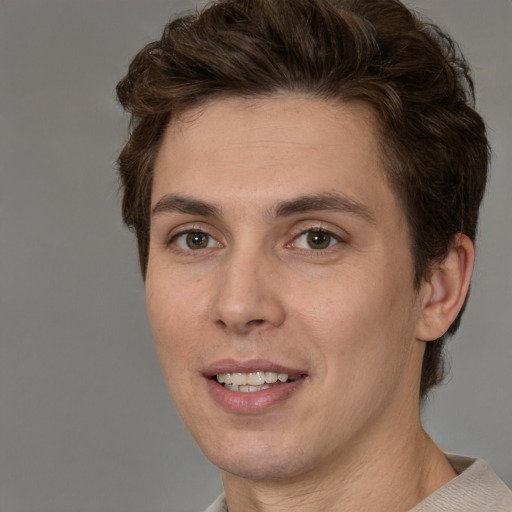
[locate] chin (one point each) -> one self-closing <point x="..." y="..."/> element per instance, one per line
<point x="257" y="470"/>
<point x="254" y="459"/>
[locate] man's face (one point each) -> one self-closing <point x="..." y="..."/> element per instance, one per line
<point x="278" y="251"/>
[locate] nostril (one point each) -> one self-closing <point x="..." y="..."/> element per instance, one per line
<point x="221" y="324"/>
<point x="255" y="322"/>
<point x="240" y="326"/>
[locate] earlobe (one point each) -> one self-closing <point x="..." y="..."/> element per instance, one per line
<point x="446" y="289"/>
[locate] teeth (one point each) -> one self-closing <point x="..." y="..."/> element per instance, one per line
<point x="238" y="379"/>
<point x="245" y="389"/>
<point x="256" y="378"/>
<point x="253" y="379"/>
<point x="270" y="377"/>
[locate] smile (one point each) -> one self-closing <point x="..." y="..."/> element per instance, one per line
<point x="253" y="381"/>
<point x="252" y="386"/>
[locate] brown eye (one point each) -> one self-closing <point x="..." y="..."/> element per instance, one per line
<point x="318" y="239"/>
<point x="197" y="240"/>
<point x="194" y="241"/>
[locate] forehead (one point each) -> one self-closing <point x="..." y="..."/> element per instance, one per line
<point x="274" y="121"/>
<point x="268" y="149"/>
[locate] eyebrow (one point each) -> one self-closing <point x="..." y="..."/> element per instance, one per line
<point x="181" y="204"/>
<point x="324" y="202"/>
<point x="303" y="204"/>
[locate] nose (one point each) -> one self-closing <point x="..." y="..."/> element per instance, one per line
<point x="248" y="296"/>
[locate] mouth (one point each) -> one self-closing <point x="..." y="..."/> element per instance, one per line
<point x="253" y="381"/>
<point x="252" y="386"/>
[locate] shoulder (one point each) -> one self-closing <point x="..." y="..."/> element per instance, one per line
<point x="476" y="489"/>
<point x="219" y="505"/>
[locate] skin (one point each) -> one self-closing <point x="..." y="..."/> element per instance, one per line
<point x="346" y="316"/>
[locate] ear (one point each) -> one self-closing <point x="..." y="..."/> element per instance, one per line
<point x="446" y="289"/>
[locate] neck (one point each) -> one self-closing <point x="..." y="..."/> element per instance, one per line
<point x="397" y="475"/>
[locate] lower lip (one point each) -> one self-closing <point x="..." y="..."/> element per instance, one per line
<point x="253" y="402"/>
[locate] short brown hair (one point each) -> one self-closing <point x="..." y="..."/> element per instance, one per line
<point x="410" y="72"/>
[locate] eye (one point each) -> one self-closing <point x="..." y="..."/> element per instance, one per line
<point x="316" y="239"/>
<point x="195" y="240"/>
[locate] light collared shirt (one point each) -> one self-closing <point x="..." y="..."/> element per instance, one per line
<point x="476" y="489"/>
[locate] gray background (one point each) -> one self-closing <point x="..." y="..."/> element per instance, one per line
<point x="86" y="423"/>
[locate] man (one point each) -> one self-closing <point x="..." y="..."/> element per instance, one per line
<point x="304" y="179"/>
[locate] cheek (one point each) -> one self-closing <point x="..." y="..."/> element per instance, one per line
<point x="173" y="315"/>
<point x="358" y="317"/>
<point x="172" y="322"/>
<point x="174" y="300"/>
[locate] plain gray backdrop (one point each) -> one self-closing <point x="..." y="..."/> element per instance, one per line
<point x="86" y="424"/>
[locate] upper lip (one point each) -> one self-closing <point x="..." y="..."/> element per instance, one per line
<point x="248" y="366"/>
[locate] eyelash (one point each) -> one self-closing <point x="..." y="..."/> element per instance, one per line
<point x="331" y="240"/>
<point x="190" y="233"/>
